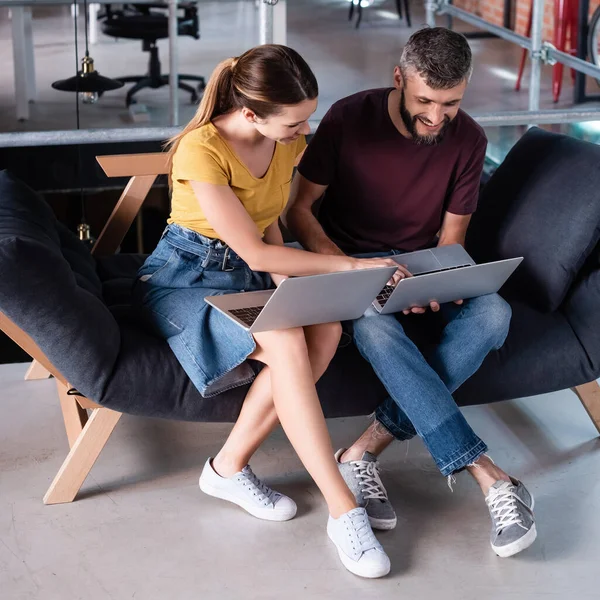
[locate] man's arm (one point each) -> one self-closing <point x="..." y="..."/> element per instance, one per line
<point x="301" y="222"/>
<point x="463" y="200"/>
<point x="454" y="229"/>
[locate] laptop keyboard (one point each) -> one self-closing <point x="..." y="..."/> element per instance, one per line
<point x="247" y="315"/>
<point x="385" y="294"/>
<point x="387" y="291"/>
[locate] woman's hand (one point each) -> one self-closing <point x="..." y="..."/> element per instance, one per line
<point x="375" y="263"/>
<point x="277" y="279"/>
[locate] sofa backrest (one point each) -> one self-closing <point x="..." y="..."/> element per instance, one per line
<point x="49" y="288"/>
<point x="543" y="203"/>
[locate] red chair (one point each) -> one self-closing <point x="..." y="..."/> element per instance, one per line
<point x="565" y="22"/>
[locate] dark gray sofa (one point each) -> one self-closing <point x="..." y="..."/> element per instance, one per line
<point x="542" y="203"/>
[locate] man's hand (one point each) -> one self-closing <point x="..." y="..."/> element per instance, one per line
<point x="453" y="231"/>
<point x="419" y="310"/>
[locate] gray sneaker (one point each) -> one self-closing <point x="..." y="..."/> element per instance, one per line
<point x="362" y="477"/>
<point x="513" y="523"/>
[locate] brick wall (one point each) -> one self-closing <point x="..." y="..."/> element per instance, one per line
<point x="493" y="11"/>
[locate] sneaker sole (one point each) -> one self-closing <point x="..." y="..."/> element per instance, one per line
<point x="383" y="524"/>
<point x="255" y="511"/>
<point x="357" y="569"/>
<point x="518" y="545"/>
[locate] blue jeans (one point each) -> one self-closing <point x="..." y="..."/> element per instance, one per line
<point x="420" y="401"/>
<point x="185" y="268"/>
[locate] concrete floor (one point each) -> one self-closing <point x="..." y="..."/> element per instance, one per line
<point x="142" y="529"/>
<point x="345" y="60"/>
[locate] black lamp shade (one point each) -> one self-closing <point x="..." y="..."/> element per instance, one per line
<point x="90" y="82"/>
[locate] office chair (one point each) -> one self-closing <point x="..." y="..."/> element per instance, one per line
<point x="149" y="23"/>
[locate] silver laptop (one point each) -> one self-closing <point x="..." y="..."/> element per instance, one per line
<point x="300" y="301"/>
<point x="442" y="275"/>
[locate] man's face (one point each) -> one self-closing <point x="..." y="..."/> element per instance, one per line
<point x="426" y="113"/>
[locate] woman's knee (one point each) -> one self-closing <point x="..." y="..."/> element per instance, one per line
<point x="329" y="331"/>
<point x="281" y="341"/>
<point x="323" y="340"/>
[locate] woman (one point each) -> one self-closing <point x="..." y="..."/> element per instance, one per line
<point x="231" y="170"/>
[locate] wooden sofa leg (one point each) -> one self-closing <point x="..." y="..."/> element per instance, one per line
<point x="36" y="371"/>
<point x="82" y="456"/>
<point x="589" y="394"/>
<point x="74" y="416"/>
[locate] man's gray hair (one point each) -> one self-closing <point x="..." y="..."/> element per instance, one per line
<point x="441" y="56"/>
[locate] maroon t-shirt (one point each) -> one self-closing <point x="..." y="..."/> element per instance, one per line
<point x="386" y="192"/>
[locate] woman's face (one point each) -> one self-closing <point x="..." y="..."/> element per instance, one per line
<point x="289" y="124"/>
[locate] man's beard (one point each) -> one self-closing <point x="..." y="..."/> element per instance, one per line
<point x="410" y="123"/>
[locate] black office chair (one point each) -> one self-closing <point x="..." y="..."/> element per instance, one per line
<point x="144" y="22"/>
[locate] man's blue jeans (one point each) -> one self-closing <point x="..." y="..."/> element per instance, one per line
<point x="420" y="401"/>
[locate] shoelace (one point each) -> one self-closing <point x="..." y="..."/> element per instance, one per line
<point x="368" y="474"/>
<point x="505" y="509"/>
<point x="263" y="492"/>
<point x="364" y="534"/>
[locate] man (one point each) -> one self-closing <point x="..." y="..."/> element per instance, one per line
<point x="400" y="169"/>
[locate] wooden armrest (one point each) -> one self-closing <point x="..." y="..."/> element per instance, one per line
<point x="129" y="165"/>
<point x="123" y="215"/>
<point x="143" y="169"/>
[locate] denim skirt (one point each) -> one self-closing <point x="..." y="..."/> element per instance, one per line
<point x="170" y="289"/>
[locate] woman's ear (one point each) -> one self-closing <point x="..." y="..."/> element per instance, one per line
<point x="249" y="115"/>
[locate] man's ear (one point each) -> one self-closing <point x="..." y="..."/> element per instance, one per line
<point x="398" y="79"/>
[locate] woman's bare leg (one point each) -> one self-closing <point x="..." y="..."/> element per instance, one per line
<point x="299" y="411"/>
<point x="258" y="416"/>
<point x="292" y="371"/>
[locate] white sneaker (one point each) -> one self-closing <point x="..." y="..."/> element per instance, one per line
<point x="359" y="550"/>
<point x="246" y="490"/>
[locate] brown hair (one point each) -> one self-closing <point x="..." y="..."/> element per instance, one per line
<point x="262" y="79"/>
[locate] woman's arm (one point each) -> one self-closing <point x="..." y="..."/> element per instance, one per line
<point x="228" y="217"/>
<point x="274" y="238"/>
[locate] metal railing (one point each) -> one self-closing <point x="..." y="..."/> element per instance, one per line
<point x="159" y="134"/>
<point x="541" y="52"/>
<point x="265" y="18"/>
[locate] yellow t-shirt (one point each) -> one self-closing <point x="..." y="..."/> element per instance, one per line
<point x="203" y="155"/>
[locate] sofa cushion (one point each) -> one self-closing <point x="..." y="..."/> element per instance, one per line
<point x="541" y="354"/>
<point x="117" y="273"/>
<point x="80" y="260"/>
<point x="582" y="309"/>
<point x="52" y="292"/>
<point x="148" y="380"/>
<point x="23" y="212"/>
<point x="542" y="203"/>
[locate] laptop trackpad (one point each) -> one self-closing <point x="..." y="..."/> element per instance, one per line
<point x="421" y="261"/>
